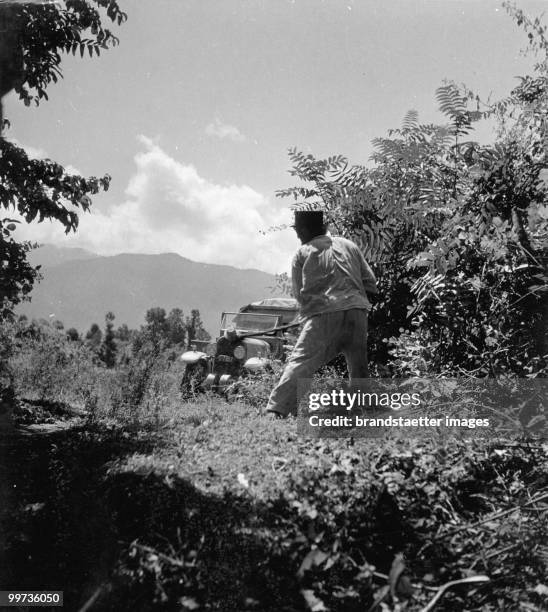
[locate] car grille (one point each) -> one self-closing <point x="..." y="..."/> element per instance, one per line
<point x="225" y="358"/>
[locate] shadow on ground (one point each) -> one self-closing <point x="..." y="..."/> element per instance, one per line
<point x="59" y="535"/>
<point x="90" y="533"/>
<point x="142" y="540"/>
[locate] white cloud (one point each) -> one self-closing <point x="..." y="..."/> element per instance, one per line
<point x="221" y="130"/>
<point x="169" y="207"/>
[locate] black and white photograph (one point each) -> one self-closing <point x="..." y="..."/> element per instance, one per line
<point x="273" y="305"/>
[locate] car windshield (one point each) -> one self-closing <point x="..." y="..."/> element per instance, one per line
<point x="249" y="321"/>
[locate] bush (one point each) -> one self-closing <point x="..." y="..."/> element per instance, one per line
<point x="48" y="366"/>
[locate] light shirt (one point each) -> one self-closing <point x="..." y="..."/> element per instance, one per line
<point x="330" y="273"/>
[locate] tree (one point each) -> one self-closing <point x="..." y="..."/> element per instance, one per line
<point x="72" y="334"/>
<point x="162" y="332"/>
<point x="195" y="328"/>
<point x="153" y="335"/>
<point x="94" y="337"/>
<point x="156" y="323"/>
<point x="30" y="59"/>
<point x="123" y="333"/>
<point x="176" y="328"/>
<point x="108" y="349"/>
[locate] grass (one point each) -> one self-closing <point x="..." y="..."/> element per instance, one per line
<point x="208" y="506"/>
<point x="152" y="503"/>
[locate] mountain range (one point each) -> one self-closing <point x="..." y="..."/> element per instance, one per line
<point x="80" y="287"/>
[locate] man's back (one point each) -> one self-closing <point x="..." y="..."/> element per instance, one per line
<point x="330" y="280"/>
<point x="331" y="274"/>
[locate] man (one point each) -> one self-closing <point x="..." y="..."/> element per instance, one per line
<point x="331" y="280"/>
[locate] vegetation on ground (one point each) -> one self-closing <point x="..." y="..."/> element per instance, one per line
<point x="206" y="505"/>
<point x="211" y="507"/>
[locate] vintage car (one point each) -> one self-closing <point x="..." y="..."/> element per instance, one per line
<point x="249" y="341"/>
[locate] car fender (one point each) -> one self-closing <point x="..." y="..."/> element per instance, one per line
<point x="192" y="357"/>
<point x="255" y="364"/>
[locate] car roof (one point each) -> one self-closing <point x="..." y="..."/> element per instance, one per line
<point x="276" y="303"/>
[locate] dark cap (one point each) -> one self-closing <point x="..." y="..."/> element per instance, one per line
<point x="309" y="218"/>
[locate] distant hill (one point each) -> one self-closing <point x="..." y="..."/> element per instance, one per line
<point x="79" y="287"/>
<point x="49" y="255"/>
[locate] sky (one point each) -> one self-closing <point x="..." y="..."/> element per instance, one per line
<point x="193" y="113"/>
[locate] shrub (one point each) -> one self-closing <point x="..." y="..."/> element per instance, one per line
<point x="50" y="367"/>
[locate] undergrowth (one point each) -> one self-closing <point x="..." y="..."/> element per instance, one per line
<point x="160" y="504"/>
<point x="223" y="510"/>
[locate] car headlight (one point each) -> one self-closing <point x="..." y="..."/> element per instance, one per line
<point x="211" y="350"/>
<point x="239" y="351"/>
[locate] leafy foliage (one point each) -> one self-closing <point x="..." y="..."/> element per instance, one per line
<point x="46" y="30"/>
<point x="195" y="327"/>
<point x="46" y="365"/>
<point x="17" y="276"/>
<point x="170" y="330"/>
<point x="37" y="190"/>
<point x="456" y="232"/>
<point x="94" y="337"/>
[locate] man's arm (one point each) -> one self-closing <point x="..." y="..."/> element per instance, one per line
<point x="297" y="278"/>
<point x="368" y="278"/>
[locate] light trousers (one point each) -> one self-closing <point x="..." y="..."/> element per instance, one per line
<point x="322" y="338"/>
